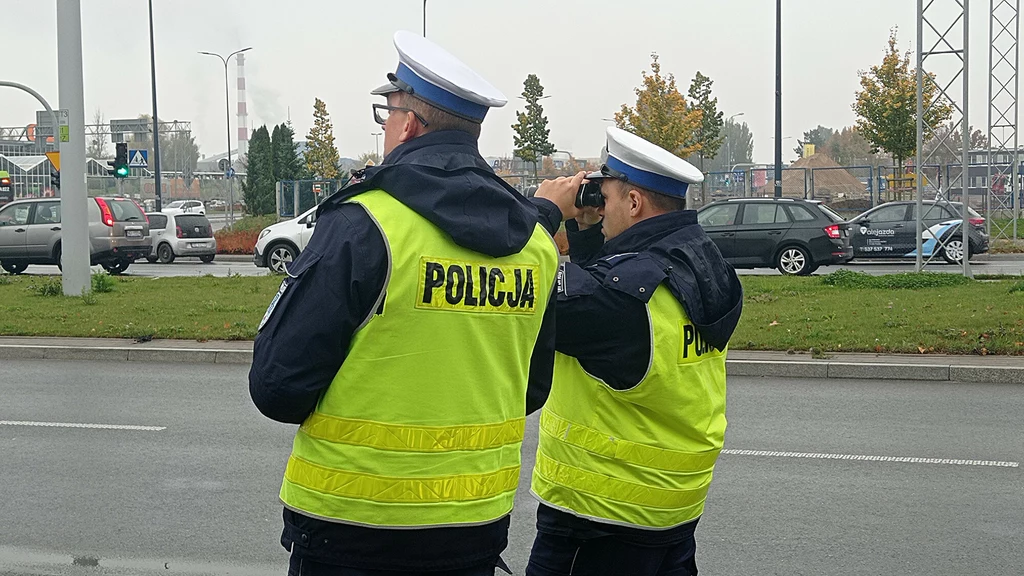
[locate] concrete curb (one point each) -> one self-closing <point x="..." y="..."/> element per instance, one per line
<point x="877" y="371"/>
<point x="124" y="354"/>
<point x="775" y="368"/>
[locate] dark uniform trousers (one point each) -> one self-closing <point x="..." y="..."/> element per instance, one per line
<point x="304" y="567"/>
<point x="555" y="555"/>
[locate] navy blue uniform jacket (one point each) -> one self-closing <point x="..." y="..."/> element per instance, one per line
<point x="332" y="288"/>
<point x="602" y="296"/>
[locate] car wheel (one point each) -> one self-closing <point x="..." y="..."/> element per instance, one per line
<point x="279" y="256"/>
<point x="151" y="259"/>
<point x="14" y="267"/>
<point x="164" y="254"/>
<point x="953" y="251"/>
<point x="207" y="259"/>
<point x="57" y="257"/>
<point x="794" y="261"/>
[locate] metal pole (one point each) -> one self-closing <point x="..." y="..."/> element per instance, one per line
<point x="227" y="116"/>
<point x="74" y="223"/>
<point x="965" y="225"/>
<point x="376" y="141"/>
<point x="1015" y="157"/>
<point x="919" y="162"/>
<point x="424" y="18"/>
<point x="156" y="123"/>
<point x="988" y="171"/>
<point x="778" y="99"/>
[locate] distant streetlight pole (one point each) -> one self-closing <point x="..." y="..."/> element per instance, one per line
<point x="778" y="98"/>
<point x="376" y="141"/>
<point x="424" y="18"/>
<point x="156" y="122"/>
<point x="728" y="141"/>
<point x="227" y="109"/>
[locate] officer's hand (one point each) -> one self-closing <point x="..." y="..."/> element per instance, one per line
<point x="562" y="191"/>
<point x="589" y="216"/>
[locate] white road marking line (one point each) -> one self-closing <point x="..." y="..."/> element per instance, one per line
<point x="77" y="425"/>
<point x="866" y="458"/>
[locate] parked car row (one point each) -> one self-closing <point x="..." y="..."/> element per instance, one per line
<point x="119" y="234"/>
<point x="798" y="236"/>
<point x="792" y="235"/>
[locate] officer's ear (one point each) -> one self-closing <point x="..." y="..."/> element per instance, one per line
<point x="410" y="128"/>
<point x="636" y="201"/>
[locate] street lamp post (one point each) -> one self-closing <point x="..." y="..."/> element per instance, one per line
<point x="227" y="109"/>
<point x="778" y="99"/>
<point x="376" y="141"/>
<point x="728" y="140"/>
<point x="156" y="122"/>
<point x="424" y="18"/>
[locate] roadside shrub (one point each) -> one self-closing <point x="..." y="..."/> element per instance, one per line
<point x="5" y="280"/>
<point x="903" y="281"/>
<point x="48" y="287"/>
<point x="236" y="242"/>
<point x="103" y="283"/>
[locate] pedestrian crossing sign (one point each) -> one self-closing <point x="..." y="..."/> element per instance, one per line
<point x="138" y="158"/>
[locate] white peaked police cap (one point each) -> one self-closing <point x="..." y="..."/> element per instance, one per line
<point x="433" y="75"/>
<point x="647" y="165"/>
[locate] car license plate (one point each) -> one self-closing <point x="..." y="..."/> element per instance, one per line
<point x="133" y="233"/>
<point x="197" y="245"/>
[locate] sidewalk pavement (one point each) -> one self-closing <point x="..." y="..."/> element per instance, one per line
<point x="929" y="367"/>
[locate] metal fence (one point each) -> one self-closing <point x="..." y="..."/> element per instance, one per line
<point x="794" y="182"/>
<point x="296" y="196"/>
<point x="723" y="185"/>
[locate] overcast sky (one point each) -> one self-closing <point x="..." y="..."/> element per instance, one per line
<point x="588" y="54"/>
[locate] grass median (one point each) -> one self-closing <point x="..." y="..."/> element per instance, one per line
<point x="197" y="308"/>
<point x="841" y="312"/>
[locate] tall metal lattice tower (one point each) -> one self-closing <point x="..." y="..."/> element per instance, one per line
<point x="943" y="37"/>
<point x="1003" y="198"/>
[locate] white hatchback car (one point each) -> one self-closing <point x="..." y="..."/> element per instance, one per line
<point x="280" y="243"/>
<point x="185" y="206"/>
<point x="181" y="235"/>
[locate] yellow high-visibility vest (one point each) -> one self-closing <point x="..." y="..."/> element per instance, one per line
<point x="641" y="457"/>
<point x="423" y="423"/>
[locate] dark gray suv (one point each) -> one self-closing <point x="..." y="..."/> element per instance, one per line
<point x="794" y="236"/>
<point x="30" y="233"/>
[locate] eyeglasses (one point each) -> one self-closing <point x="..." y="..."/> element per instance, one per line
<point x="381" y="118"/>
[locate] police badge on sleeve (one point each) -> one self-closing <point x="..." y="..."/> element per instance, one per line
<point x="273" y="304"/>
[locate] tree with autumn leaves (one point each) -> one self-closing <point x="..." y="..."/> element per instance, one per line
<point x="661" y="114"/>
<point x="886" y="105"/>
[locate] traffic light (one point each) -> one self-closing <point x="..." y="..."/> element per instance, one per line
<point x="55" y="179"/>
<point x="119" y="165"/>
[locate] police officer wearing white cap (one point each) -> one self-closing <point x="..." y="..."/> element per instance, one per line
<point x="636" y="416"/>
<point x="410" y="339"/>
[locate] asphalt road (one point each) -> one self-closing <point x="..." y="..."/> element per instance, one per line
<point x="198" y="495"/>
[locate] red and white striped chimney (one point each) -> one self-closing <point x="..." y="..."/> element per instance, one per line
<point x="243" y="114"/>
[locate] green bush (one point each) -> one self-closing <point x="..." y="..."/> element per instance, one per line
<point x="252" y="223"/>
<point x="48" y="287"/>
<point x="903" y="281"/>
<point x="5" y="280"/>
<point x="1017" y="287"/>
<point x="103" y="283"/>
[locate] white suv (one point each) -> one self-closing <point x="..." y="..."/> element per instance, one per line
<point x="188" y="206"/>
<point x="280" y="243"/>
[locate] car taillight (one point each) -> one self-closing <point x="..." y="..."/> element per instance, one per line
<point x="178" y="232"/>
<point x="105" y="214"/>
<point x="5" y="181"/>
<point x="976" y="221"/>
<point x="833" y="231"/>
